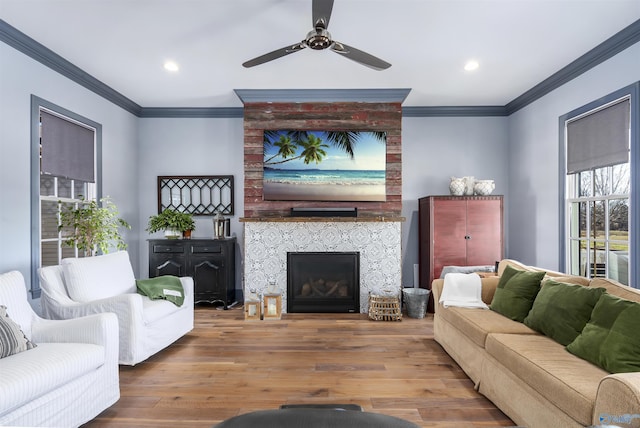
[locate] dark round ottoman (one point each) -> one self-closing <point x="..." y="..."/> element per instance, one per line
<point x="314" y="418"/>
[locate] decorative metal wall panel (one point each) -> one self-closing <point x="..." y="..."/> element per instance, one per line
<point x="196" y="194"/>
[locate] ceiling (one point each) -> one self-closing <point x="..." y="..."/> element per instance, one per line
<point x="124" y="43"/>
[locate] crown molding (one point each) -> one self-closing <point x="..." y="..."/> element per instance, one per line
<point x="238" y="112"/>
<point x="620" y="41"/>
<point x="47" y="57"/>
<point x="387" y="95"/>
<point x="610" y="47"/>
<point x="192" y="112"/>
<point x="454" y="111"/>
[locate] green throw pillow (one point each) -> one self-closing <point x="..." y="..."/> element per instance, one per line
<point x="561" y="310"/>
<point x="515" y="293"/>
<point x="166" y="287"/>
<point x="610" y="339"/>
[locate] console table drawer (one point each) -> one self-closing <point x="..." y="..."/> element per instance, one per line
<point x="163" y="248"/>
<point x="199" y="249"/>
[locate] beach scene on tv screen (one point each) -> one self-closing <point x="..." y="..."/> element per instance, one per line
<point x="324" y="165"/>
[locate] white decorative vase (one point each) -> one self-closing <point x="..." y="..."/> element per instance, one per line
<point x="457" y="186"/>
<point x="484" y="187"/>
<point x="469" y="182"/>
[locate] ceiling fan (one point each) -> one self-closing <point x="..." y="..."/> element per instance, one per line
<point x="319" y="38"/>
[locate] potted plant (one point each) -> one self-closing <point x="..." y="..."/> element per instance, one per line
<point x="90" y="226"/>
<point x="173" y="223"/>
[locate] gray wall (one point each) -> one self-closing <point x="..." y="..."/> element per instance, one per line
<point x="20" y="77"/>
<point x="534" y="152"/>
<point x="519" y="152"/>
<point x="436" y="148"/>
<point x="189" y="147"/>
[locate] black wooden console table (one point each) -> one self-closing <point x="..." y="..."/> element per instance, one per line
<point x="210" y="262"/>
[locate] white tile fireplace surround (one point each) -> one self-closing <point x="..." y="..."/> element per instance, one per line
<point x="268" y="240"/>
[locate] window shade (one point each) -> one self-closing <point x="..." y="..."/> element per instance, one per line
<point x="67" y="148"/>
<point x="599" y="139"/>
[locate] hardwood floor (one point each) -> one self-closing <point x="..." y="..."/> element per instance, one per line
<point x="228" y="366"/>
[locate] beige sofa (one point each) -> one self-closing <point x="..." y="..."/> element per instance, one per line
<point x="530" y="377"/>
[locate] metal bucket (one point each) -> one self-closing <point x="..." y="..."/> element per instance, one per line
<point x="416" y="300"/>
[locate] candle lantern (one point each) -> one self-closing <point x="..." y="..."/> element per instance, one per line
<point x="252" y="310"/>
<point x="272" y="301"/>
<point x="218" y="226"/>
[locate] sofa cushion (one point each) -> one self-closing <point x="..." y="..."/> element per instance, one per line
<point x="12" y="339"/>
<point x="570" y="279"/>
<point x="516" y="291"/>
<point x="43" y="369"/>
<point x="616" y="289"/>
<point x="94" y="278"/>
<point x="610" y="339"/>
<point x="568" y="382"/>
<point x="476" y="323"/>
<point x="153" y="310"/>
<point x="561" y="310"/>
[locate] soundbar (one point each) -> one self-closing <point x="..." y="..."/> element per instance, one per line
<point x="324" y="212"/>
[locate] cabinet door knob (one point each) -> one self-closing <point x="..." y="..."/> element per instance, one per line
<point x="467" y="237"/>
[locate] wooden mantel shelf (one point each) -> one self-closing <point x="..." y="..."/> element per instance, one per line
<point x="363" y="219"/>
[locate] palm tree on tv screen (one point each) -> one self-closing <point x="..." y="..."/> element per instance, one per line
<point x="313" y="149"/>
<point x="293" y="140"/>
<point x="286" y="149"/>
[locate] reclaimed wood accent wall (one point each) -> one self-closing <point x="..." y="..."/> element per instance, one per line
<point x="341" y="116"/>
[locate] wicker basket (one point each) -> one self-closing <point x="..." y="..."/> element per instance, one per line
<point x="384" y="308"/>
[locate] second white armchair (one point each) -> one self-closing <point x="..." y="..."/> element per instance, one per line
<point x="106" y="283"/>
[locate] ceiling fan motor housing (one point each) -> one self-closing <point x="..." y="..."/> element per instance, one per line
<point x="318" y="39"/>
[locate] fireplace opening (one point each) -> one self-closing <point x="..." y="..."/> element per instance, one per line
<point x="323" y="282"/>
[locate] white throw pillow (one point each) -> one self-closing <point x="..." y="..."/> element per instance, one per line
<point x="93" y="278"/>
<point x="12" y="339"/>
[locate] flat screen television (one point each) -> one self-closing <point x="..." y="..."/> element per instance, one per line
<point x="315" y="165"/>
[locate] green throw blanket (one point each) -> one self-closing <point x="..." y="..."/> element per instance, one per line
<point x="166" y="287"/>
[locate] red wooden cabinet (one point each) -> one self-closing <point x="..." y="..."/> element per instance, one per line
<point x="458" y="231"/>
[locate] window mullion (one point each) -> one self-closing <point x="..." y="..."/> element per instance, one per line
<point x="587" y="232"/>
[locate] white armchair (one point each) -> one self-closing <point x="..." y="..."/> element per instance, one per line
<point x="74" y="361"/>
<point x="106" y="283"/>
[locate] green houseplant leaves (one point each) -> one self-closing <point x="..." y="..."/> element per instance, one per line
<point x="171" y="220"/>
<point x="91" y="226"/>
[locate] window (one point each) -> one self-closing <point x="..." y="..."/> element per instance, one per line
<point x="598" y="207"/>
<point x="65" y="155"/>
<point x="598" y="152"/>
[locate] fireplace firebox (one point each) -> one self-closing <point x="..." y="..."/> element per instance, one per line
<point x="323" y="282"/>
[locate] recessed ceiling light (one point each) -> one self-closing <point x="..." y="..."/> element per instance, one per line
<point x="471" y="65"/>
<point x="171" y="66"/>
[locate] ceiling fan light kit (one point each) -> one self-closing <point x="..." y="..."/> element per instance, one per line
<point x="319" y="39"/>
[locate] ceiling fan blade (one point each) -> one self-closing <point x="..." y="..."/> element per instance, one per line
<point x="322" y="12"/>
<point x="359" y="56"/>
<point x="274" y="55"/>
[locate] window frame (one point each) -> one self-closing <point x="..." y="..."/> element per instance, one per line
<point x="37" y="104"/>
<point x="574" y="237"/>
<point x="633" y="92"/>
